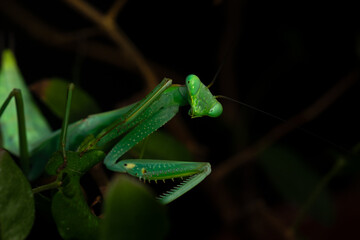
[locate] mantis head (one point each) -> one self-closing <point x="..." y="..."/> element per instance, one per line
<point x="201" y="100"/>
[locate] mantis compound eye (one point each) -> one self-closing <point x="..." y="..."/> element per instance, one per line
<point x="216" y="110"/>
<point x="192" y="84"/>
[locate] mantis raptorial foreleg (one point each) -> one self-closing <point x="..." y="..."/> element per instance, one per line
<point x="154" y="111"/>
<point x="156" y="169"/>
<point x="140" y="132"/>
<point x="191" y="174"/>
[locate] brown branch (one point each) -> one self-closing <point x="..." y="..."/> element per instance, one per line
<point x="29" y="22"/>
<point x="51" y="36"/>
<point x="116" y="8"/>
<point x="126" y="56"/>
<point x="118" y="36"/>
<point x="281" y="130"/>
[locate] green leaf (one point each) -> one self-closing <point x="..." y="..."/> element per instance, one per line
<point x="295" y="181"/>
<point x="71" y="213"/>
<point x="16" y="200"/>
<point x="161" y="145"/>
<point x="131" y="212"/>
<point x="53" y="93"/>
<point x="37" y="127"/>
<point x="76" y="164"/>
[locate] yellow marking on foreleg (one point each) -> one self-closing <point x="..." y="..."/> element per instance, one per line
<point x="129" y="165"/>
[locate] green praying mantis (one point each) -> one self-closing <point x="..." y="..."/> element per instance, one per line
<point x="77" y="147"/>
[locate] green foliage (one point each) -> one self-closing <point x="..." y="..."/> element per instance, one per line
<point x="53" y="93"/>
<point x="295" y="181"/>
<point x="69" y="209"/>
<point x="71" y="212"/>
<point x="37" y="127"/>
<point x="16" y="200"/>
<point x="127" y="202"/>
<point x="131" y="212"/>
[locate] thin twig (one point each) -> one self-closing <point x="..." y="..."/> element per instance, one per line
<point x="52" y="36"/>
<point x="118" y="36"/>
<point x="115" y="9"/>
<point x="127" y="55"/>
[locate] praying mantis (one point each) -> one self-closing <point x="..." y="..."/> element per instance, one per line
<point x="108" y="136"/>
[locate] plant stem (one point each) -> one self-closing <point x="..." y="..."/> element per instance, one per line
<point x="45" y="187"/>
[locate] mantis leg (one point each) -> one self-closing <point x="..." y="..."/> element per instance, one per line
<point x="194" y="172"/>
<point x="24" y="152"/>
<point x="141" y="131"/>
<point x="191" y="174"/>
<point x="64" y="127"/>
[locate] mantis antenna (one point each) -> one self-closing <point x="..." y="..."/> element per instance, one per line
<point x="216" y="75"/>
<point x="228" y="51"/>
<point x="251" y="107"/>
<point x="269" y="114"/>
<point x="283" y="120"/>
